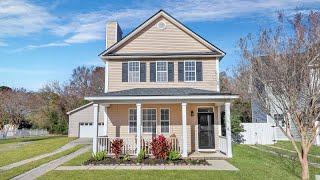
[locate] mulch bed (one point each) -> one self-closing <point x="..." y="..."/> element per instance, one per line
<point x="147" y="161"/>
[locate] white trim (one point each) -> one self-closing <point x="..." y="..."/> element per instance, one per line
<point x="169" y="18"/>
<point x="106" y="77"/>
<point x="205" y="107"/>
<point x="162" y="71"/>
<point x="129" y="121"/>
<point x="134" y="71"/>
<point x="184" y="130"/>
<point x="158" y="57"/>
<point x="142" y="122"/>
<point x="218" y="74"/>
<point x="184" y="70"/>
<point x="138" y="105"/>
<point x="168" y="120"/>
<point x="207" y="150"/>
<point x="79" y="108"/>
<point x="200" y="97"/>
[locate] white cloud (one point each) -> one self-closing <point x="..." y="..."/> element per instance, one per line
<point x="26" y="71"/>
<point x="31" y="47"/>
<point x="20" y="18"/>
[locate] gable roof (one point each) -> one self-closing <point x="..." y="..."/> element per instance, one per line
<point x="171" y="19"/>
<point x="79" y="108"/>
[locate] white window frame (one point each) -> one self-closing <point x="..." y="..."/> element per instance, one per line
<point x="133" y="71"/>
<point x="143" y="121"/>
<point x="168" y="121"/>
<point x="195" y="70"/>
<point x="161" y="71"/>
<point x="130" y="121"/>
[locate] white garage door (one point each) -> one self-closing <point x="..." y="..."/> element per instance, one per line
<point x="87" y="131"/>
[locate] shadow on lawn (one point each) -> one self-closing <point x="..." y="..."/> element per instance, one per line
<point x="290" y="163"/>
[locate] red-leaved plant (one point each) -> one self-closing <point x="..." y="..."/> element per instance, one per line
<point x="160" y="147"/>
<point x="116" y="147"/>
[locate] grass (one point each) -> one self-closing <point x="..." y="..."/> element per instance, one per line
<point x="253" y="164"/>
<point x="315" y="150"/>
<point x="292" y="155"/>
<point x="24" y="168"/>
<point x="79" y="160"/>
<point x="24" y="139"/>
<point x="14" y="150"/>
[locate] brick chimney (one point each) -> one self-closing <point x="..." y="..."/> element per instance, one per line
<point x="113" y="33"/>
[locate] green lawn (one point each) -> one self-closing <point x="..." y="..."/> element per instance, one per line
<point x="79" y="160"/>
<point x="253" y="164"/>
<point x="24" y="168"/>
<point x="14" y="150"/>
<point x="315" y="150"/>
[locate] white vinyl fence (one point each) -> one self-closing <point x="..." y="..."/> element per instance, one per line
<point x="259" y="133"/>
<point x="23" y="133"/>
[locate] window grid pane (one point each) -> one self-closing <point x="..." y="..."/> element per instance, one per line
<point x="190" y="70"/>
<point x="162" y="71"/>
<point x="132" y="120"/>
<point x="164" y="120"/>
<point x="149" y="120"/>
<point x="134" y="71"/>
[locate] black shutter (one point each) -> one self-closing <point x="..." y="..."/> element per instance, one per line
<point x="170" y="71"/>
<point x="199" y="71"/>
<point x="124" y="72"/>
<point x="181" y="71"/>
<point x="142" y="72"/>
<point x="153" y="72"/>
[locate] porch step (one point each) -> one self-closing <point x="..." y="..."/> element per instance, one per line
<point x="208" y="155"/>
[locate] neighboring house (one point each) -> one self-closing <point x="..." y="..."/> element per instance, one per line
<point x="162" y="78"/>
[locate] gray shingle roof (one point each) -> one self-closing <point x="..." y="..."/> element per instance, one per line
<point x="163" y="92"/>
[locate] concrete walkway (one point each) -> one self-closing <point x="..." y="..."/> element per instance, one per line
<point x="61" y="149"/>
<point x="41" y="170"/>
<point x="215" y="165"/>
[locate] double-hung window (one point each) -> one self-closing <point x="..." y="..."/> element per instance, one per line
<point x="149" y="120"/>
<point x="189" y="71"/>
<point x="162" y="71"/>
<point x="132" y="120"/>
<point x="165" y="118"/>
<point x="134" y="71"/>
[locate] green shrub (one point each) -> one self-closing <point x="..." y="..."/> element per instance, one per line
<point x="126" y="157"/>
<point x="99" y="156"/>
<point x="174" y="155"/>
<point x="141" y="156"/>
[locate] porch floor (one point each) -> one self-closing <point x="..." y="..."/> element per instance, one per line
<point x="207" y="155"/>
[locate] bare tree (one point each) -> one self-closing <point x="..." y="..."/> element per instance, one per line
<point x="284" y="65"/>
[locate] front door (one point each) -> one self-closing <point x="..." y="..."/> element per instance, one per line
<point x="206" y="128"/>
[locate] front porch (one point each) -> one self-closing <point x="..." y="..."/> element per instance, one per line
<point x="196" y="126"/>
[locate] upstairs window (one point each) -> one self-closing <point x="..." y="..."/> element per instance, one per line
<point x="189" y="71"/>
<point x="162" y="71"/>
<point x="134" y="71"/>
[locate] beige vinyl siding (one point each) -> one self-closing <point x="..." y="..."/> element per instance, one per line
<point x="154" y="40"/>
<point x="209" y="77"/>
<point x="82" y="115"/>
<point x="118" y="122"/>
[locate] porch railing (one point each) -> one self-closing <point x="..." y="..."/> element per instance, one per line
<point x="130" y="144"/>
<point x="223" y="144"/>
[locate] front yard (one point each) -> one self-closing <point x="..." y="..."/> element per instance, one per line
<point x="253" y="164"/>
<point x="14" y="150"/>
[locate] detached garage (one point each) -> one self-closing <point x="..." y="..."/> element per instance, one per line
<point x="81" y="122"/>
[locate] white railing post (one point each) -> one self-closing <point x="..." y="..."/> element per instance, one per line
<point x="228" y="129"/>
<point x="138" y="127"/>
<point x="95" y="128"/>
<point x="184" y="130"/>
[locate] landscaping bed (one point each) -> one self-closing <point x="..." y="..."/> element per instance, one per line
<point x="147" y="161"/>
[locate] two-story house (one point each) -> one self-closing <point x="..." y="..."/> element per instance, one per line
<point x="162" y="78"/>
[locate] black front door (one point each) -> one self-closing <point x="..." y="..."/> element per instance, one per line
<point x="206" y="131"/>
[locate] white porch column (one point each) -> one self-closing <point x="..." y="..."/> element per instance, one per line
<point x="184" y="130"/>
<point x="105" y="119"/>
<point x="106" y="77"/>
<point x="228" y="129"/>
<point x="138" y="127"/>
<point x="95" y="127"/>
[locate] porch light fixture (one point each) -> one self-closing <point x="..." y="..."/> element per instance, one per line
<point x="192" y="113"/>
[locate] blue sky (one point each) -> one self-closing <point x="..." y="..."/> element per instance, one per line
<point x="43" y="40"/>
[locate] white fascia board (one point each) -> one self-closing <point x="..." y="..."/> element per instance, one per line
<point x="206" y="97"/>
